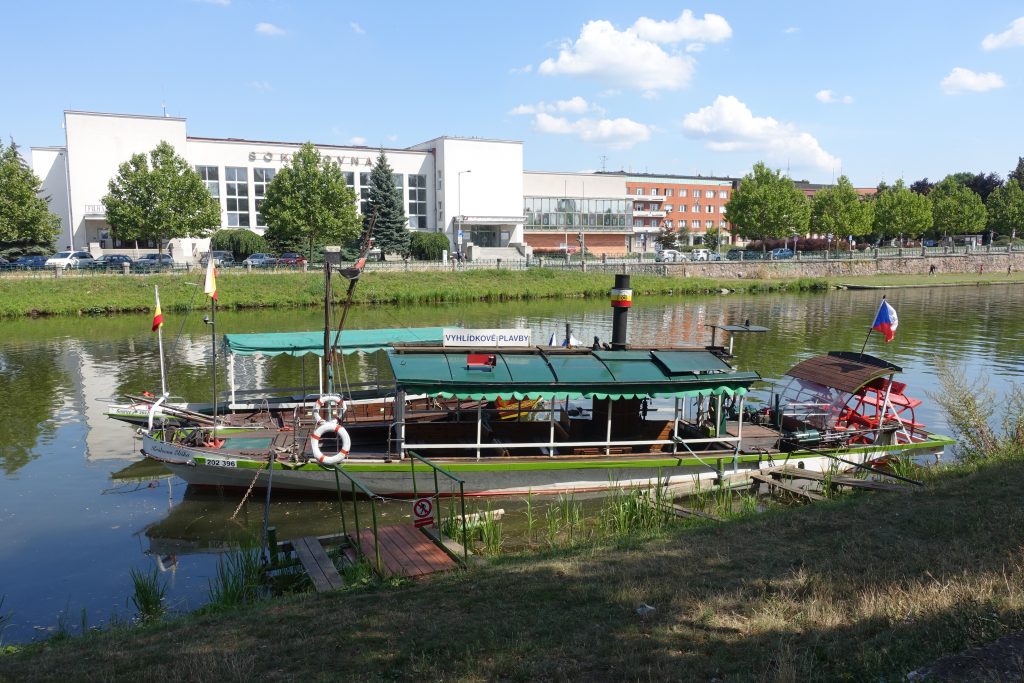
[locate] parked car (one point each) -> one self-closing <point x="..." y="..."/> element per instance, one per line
<point x="69" y="259"/>
<point x="111" y="261"/>
<point x="260" y="260"/>
<point x="291" y="258"/>
<point x="781" y="253"/>
<point x="668" y="256"/>
<point x="929" y="243"/>
<point x="734" y="254"/>
<point x="151" y="261"/>
<point x="4" y="263"/>
<point x="700" y="255"/>
<point x="715" y="256"/>
<point x="30" y="262"/>
<point x="221" y="259"/>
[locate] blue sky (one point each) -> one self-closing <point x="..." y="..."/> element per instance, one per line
<point x="890" y="90"/>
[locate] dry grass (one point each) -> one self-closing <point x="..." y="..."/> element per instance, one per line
<point x="861" y="588"/>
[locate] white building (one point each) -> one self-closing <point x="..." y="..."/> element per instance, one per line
<point x="451" y="185"/>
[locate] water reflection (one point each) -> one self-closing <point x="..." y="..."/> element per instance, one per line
<point x="68" y="525"/>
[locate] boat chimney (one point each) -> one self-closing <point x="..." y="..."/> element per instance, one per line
<point x="622" y="299"/>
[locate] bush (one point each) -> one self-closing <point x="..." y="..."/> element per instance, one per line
<point x="427" y="246"/>
<point x="242" y="243"/>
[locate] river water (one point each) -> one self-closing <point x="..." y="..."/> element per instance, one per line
<point x="70" y="532"/>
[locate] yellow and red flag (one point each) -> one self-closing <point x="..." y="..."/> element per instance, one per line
<point x="158" y="315"/>
<point x="211" y="279"/>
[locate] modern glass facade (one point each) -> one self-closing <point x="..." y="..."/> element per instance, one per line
<point x="555" y="213"/>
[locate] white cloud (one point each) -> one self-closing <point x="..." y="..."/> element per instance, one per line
<point x="728" y="125"/>
<point x="1011" y="37"/>
<point x="620" y="58"/>
<point x="610" y="92"/>
<point x="687" y="28"/>
<point x="615" y="133"/>
<point x="354" y="25"/>
<point x="573" y="105"/>
<point x="695" y="47"/>
<point x="525" y="69"/>
<point x="222" y="3"/>
<point x="792" y="29"/>
<point x="392" y="138"/>
<point x="357" y="140"/>
<point x="829" y="97"/>
<point x="269" y="29"/>
<point x="262" y="85"/>
<point x="962" y="80"/>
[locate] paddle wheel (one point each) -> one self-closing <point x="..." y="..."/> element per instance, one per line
<point x="867" y="409"/>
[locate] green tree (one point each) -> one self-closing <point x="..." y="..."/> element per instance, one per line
<point x="713" y="239"/>
<point x="386" y="209"/>
<point x="159" y="199"/>
<point x="899" y="212"/>
<point x="242" y="243"/>
<point x="670" y="239"/>
<point x="839" y="211"/>
<point x="1006" y="208"/>
<point x="956" y="209"/>
<point x="1018" y="172"/>
<point x="428" y="246"/>
<point x="767" y="204"/>
<point x="26" y="224"/>
<point x="308" y="202"/>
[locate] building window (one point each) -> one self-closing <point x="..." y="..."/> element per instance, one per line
<point x="721" y="208"/>
<point x="709" y="209"/>
<point x="709" y="194"/>
<point x="682" y="193"/>
<point x="237" y="193"/>
<point x="721" y="224"/>
<point x="708" y="225"/>
<point x="668" y="208"/>
<point x="722" y="194"/>
<point x="669" y="192"/>
<point x="350" y="180"/>
<point x="211" y="178"/>
<point x="639" y="192"/>
<point x="261" y="177"/>
<point x="696" y="208"/>
<point x="668" y="224"/>
<point x="418" y="201"/>
<point x="364" y="193"/>
<point x="654" y="192"/>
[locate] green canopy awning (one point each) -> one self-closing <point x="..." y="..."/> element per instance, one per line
<point x="351" y="341"/>
<point x="540" y="373"/>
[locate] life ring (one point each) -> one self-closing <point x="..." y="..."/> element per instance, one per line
<point x="314" y="442"/>
<point x="328" y="399"/>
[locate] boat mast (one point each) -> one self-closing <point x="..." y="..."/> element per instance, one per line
<point x="327" y="325"/>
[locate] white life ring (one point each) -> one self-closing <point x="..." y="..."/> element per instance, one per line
<point x="329" y="399"/>
<point x="314" y="442"/>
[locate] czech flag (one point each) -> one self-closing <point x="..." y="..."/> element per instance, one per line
<point x="211" y="278"/>
<point x="886" y="321"/>
<point x="158" y="315"/>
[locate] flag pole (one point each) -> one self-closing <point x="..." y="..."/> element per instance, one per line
<point x="213" y="336"/>
<point x="871" y="327"/>
<point x="160" y="345"/>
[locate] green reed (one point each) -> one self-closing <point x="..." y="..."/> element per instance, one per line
<point x="148" y="594"/>
<point x="238" y="580"/>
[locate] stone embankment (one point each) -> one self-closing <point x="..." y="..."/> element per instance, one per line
<point x="859" y="265"/>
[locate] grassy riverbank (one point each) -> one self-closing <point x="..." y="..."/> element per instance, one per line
<point x="864" y="587"/>
<point x="96" y="294"/>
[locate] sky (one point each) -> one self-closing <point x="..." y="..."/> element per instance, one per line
<point x="891" y="90"/>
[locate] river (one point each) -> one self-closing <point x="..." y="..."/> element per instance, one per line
<point x="70" y="533"/>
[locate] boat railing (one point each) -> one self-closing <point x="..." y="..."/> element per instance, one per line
<point x="356" y="487"/>
<point x="438" y="470"/>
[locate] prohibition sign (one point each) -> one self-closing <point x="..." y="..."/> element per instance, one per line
<point x="422" y="511"/>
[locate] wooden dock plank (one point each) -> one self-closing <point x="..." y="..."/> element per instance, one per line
<point x="404" y="551"/>
<point x="796" y="490"/>
<point x="839" y="480"/>
<point x="317" y="564"/>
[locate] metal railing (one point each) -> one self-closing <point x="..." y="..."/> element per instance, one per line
<point x="437" y="469"/>
<point x="357" y="486"/>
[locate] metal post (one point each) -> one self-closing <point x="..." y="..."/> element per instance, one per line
<point x="551" y="437"/>
<point x="341" y="502"/>
<point x="376" y="540"/>
<point x="462" y="498"/>
<point x="437" y="501"/>
<point x="479" y="426"/>
<point x="675" y="425"/>
<point x="608" y="431"/>
<point x="739" y="437"/>
<point x="355" y="511"/>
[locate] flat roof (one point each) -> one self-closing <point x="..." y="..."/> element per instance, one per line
<point x="123" y="116"/>
<point x="318" y="145"/>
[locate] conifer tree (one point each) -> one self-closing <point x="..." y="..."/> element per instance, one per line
<point x="386" y="209"/>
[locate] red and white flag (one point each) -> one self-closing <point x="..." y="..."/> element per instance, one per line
<point x="211" y="278"/>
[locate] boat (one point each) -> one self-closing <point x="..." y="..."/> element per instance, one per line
<point x="599" y="418"/>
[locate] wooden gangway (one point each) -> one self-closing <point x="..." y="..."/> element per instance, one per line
<point x="318" y="565"/>
<point x="405" y="551"/>
<point x="835" y="480"/>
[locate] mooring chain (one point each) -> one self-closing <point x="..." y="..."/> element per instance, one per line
<point x="246" y="496"/>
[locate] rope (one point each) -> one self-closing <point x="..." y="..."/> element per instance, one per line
<point x="246" y="496"/>
<point x="184" y="319"/>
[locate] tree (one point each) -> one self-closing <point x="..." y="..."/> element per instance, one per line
<point x="26" y="224"/>
<point x="159" y="199"/>
<point x="713" y="239"/>
<point x="1017" y="173"/>
<point x="241" y="243"/>
<point x="386" y="209"/>
<point x="767" y="204"/>
<point x="668" y="238"/>
<point x="1006" y="208"/>
<point x="957" y="210"/>
<point x="308" y="202"/>
<point x="839" y="211"/>
<point x="899" y="212"/>
<point x="428" y="246"/>
<point x="921" y="186"/>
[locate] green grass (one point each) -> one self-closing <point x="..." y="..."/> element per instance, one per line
<point x="147" y="595"/>
<point x="102" y="294"/>
<point x="864" y="587"/>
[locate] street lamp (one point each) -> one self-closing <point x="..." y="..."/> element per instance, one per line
<point x="458" y="215"/>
